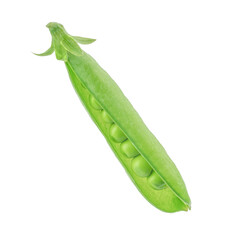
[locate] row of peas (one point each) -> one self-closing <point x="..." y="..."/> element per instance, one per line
<point x="139" y="165"/>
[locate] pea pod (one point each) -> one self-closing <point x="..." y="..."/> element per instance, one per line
<point x="143" y="157"/>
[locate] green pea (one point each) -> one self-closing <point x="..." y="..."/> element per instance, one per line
<point x="141" y="167"/>
<point x="155" y="181"/>
<point x="128" y="149"/>
<point x="106" y="117"/>
<point x="101" y="92"/>
<point x="94" y="103"/>
<point x="117" y="134"/>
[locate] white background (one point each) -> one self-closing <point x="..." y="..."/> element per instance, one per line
<point x="58" y="177"/>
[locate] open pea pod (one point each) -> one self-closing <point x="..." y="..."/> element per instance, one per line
<point x="143" y="157"/>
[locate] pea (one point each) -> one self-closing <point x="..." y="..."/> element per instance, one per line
<point x="106" y="117"/>
<point x="141" y="167"/>
<point x="101" y="92"/>
<point x="94" y="103"/>
<point x="128" y="149"/>
<point x="155" y="181"/>
<point x="117" y="134"/>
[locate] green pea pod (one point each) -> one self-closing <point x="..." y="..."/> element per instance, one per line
<point x="140" y="153"/>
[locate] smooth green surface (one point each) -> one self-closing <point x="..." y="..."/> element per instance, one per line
<point x="128" y="149"/>
<point x="141" y="167"/>
<point x="106" y="117"/>
<point x="155" y="181"/>
<point x="89" y="79"/>
<point x="94" y="103"/>
<point x="117" y="134"/>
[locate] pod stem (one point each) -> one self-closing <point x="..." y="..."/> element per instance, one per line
<point x="63" y="43"/>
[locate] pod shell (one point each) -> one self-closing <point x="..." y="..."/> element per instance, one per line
<point x="114" y="102"/>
